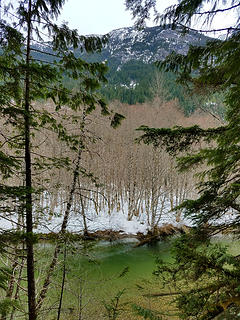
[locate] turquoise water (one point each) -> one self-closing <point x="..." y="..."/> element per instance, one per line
<point x="97" y="275"/>
<point x="112" y="258"/>
<point x="112" y="267"/>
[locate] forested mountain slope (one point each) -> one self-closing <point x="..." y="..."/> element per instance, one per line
<point x="132" y="75"/>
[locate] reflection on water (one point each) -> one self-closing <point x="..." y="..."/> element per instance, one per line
<point x="111" y="258"/>
<point x="98" y="274"/>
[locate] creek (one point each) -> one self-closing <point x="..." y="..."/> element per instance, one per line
<point x="106" y="268"/>
<point x="97" y="271"/>
<point x="109" y="259"/>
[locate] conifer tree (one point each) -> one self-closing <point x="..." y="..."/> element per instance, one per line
<point x="24" y="79"/>
<point x="210" y="68"/>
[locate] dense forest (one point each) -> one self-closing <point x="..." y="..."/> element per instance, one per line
<point x="116" y="173"/>
<point x="138" y="82"/>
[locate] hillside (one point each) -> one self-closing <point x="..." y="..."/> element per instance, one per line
<point x="135" y="182"/>
<point x="148" y="45"/>
<point x="132" y="76"/>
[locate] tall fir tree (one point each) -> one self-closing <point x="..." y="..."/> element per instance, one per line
<point x="205" y="69"/>
<point x="30" y="30"/>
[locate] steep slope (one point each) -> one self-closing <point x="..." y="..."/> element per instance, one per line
<point x="130" y="55"/>
<point x="133" y="77"/>
<point x="147" y="45"/>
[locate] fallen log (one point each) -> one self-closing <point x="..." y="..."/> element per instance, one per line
<point x="147" y="240"/>
<point x="160" y="233"/>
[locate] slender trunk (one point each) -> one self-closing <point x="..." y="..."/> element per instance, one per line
<point x="28" y="180"/>
<point x="52" y="266"/>
<point x="63" y="283"/>
<point x="10" y="288"/>
<point x="83" y="215"/>
<point x="80" y="298"/>
<point x="16" y="296"/>
<point x="47" y="280"/>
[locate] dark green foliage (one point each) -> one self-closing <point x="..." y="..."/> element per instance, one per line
<point x="204" y="275"/>
<point x="215" y="68"/>
<point x="117" y="118"/>
<point x="179" y="138"/>
<point x="6" y="304"/>
<point x="124" y="272"/>
<point x="114" y="308"/>
<point x="146" y="313"/>
<point x="26" y="76"/>
<point x="4" y="276"/>
<point x="140" y="9"/>
<point x="135" y="81"/>
<point x="46" y="82"/>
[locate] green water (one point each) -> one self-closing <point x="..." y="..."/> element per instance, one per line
<point x="93" y="276"/>
<point x="97" y="276"/>
<point x="117" y="265"/>
<point x="114" y="257"/>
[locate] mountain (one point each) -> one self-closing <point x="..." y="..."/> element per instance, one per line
<point x="130" y="55"/>
<point x="148" y="45"/>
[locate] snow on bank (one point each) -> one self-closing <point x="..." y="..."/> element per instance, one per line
<point x="116" y="221"/>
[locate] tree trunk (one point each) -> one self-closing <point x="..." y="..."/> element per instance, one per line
<point x="16" y="296"/>
<point x="63" y="283"/>
<point x="15" y="265"/>
<point x="80" y="299"/>
<point x="83" y="215"/>
<point x="28" y="181"/>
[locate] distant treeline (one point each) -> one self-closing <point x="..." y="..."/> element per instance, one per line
<point x="138" y="82"/>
